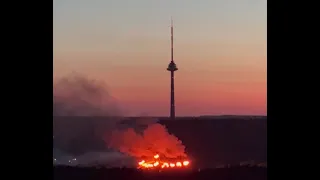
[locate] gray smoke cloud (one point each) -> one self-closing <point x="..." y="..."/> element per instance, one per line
<point x="77" y="95"/>
<point x="83" y="110"/>
<point x="99" y="123"/>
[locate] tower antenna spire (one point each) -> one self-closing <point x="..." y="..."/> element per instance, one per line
<point x="171" y="39"/>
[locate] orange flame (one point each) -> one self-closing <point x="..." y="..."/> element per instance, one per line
<point x="152" y="164"/>
<point x="156" y="164"/>
<point x="185" y="163"/>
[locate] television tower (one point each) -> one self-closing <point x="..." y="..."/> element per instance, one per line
<point x="172" y="67"/>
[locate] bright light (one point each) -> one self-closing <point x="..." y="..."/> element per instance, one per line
<point x="141" y="162"/>
<point x="156" y="163"/>
<point x="186" y="163"/>
<point x="165" y="165"/>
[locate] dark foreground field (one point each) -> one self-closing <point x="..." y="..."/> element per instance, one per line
<point x="209" y="141"/>
<point x="232" y="173"/>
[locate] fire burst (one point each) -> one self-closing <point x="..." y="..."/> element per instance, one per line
<point x="157" y="163"/>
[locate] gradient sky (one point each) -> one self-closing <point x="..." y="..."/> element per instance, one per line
<point x="220" y="50"/>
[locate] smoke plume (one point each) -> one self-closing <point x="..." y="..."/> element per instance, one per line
<point x="155" y="139"/>
<point x="77" y="95"/>
<point x="83" y="110"/>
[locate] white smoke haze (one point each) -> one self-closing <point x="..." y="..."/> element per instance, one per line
<point x="108" y="159"/>
<point x="79" y="96"/>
